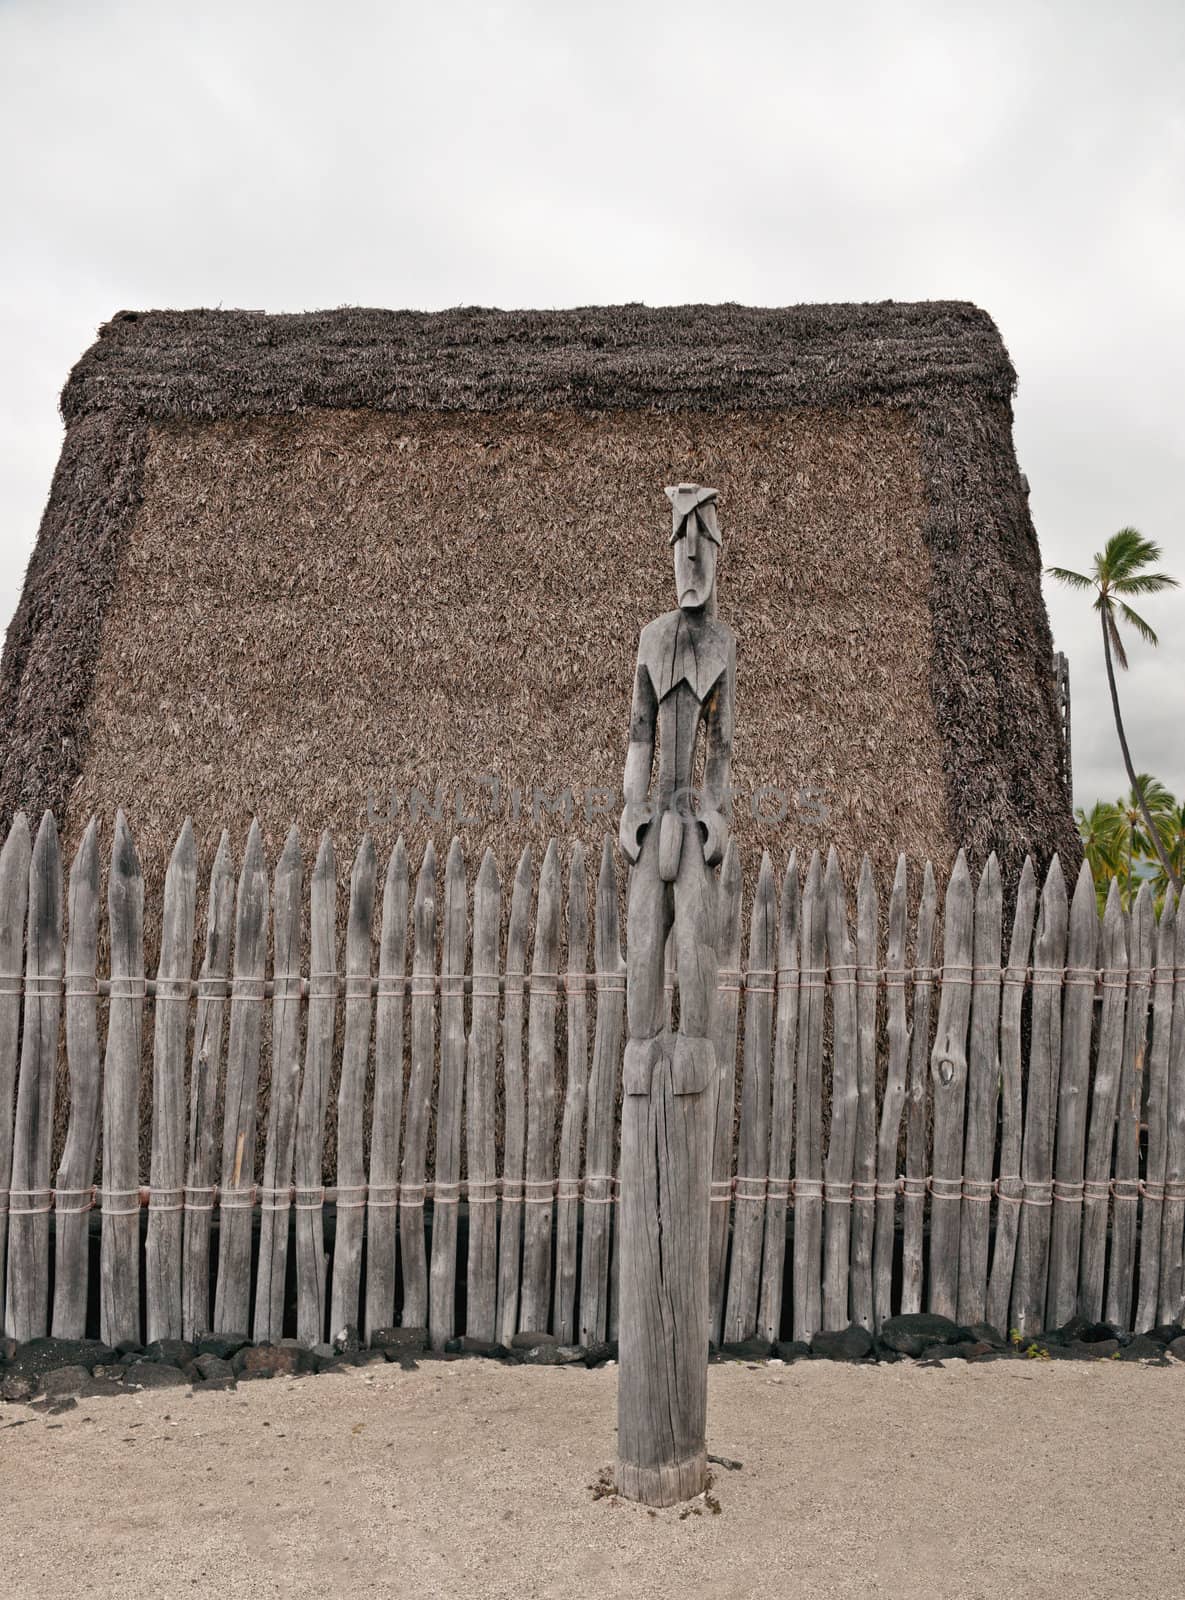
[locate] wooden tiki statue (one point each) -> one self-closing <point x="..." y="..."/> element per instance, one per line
<point x="673" y="836"/>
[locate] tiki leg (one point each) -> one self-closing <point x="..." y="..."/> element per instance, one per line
<point x="665" y="1177"/>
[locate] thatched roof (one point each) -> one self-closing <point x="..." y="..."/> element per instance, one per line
<point x="802" y="416"/>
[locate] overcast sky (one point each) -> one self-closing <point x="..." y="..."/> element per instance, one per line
<point x="1029" y="157"/>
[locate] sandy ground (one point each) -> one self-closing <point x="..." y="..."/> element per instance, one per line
<point x="469" y="1479"/>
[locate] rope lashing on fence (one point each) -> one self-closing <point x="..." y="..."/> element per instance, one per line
<point x="596" y="1189"/>
<point x="358" y="986"/>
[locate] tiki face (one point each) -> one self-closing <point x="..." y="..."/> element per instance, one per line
<point x="695" y="567"/>
<point x="695" y="537"/>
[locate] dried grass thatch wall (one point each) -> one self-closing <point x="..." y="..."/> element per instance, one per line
<point x="289" y="563"/>
<point x="292" y="564"/>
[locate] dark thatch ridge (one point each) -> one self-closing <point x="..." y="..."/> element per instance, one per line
<point x="943" y="362"/>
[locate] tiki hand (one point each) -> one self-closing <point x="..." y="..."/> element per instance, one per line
<point x="715" y="831"/>
<point x="635" y="819"/>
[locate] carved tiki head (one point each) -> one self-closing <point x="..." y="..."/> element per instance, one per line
<point x="695" y="537"/>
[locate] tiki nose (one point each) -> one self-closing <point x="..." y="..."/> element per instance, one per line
<point x="692" y="537"/>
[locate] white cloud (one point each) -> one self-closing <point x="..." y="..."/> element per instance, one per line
<point x="1028" y="156"/>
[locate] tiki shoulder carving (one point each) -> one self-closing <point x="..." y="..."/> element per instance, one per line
<point x="685" y="677"/>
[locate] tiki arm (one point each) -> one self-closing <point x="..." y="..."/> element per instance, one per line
<point x="639" y="764"/>
<point x="716" y="810"/>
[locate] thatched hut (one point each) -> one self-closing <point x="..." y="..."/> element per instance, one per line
<point x="298" y="566"/>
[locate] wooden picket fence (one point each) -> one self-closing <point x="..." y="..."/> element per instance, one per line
<point x="1038" y="1101"/>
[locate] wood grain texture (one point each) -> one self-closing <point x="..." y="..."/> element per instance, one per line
<point x="275" y="1209"/>
<point x="1073" y="1096"/>
<point x="204" y="1073"/>
<point x="983" y="1094"/>
<point x="602" y="1105"/>
<point x="311" y="1307"/>
<point x="864" y="1167"/>
<point x="567" y="1206"/>
<point x="535" y="1304"/>
<point x="893" y="1100"/>
<point x="781" y="1136"/>
<point x="382" y="1200"/>
<point x="119" y="1257"/>
<point x="1156" y="1161"/>
<point x="27" y="1306"/>
<point x="481" y="1267"/>
<point x="14" y="899"/>
<point x="808" y="1130"/>
<point x="1104" y="1102"/>
<point x="913" y="1206"/>
<point x="236" y="1194"/>
<point x="419" y="1097"/>
<point x="728" y="950"/>
<point x="1121" y="1270"/>
<point x="748" y="1217"/>
<point x="1015" y="986"/>
<point x="1032" y="1244"/>
<point x="948" y="1085"/>
<point x="76" y="1171"/>
<point x="510" y="1222"/>
<point x="1171" y="1293"/>
<point x="450" y="1104"/>
<point x="840" y="1165"/>
<point x="346" y="1289"/>
<point x="166" y="1200"/>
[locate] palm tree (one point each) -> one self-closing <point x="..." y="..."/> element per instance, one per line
<point x="1174" y="838"/>
<point x="1118" y="571"/>
<point x="1132" y="838"/>
<point x="1100" y="832"/>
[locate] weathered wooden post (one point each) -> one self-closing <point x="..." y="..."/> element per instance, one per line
<point x="685" y="677"/>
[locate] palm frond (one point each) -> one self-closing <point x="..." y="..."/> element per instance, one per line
<point x="1145" y="583"/>
<point x="1124" y="554"/>
<point x="1136" y="621"/>
<point x="1075" y="580"/>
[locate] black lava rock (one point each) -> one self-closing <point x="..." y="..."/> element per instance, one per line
<point x="915" y="1331"/>
<point x="1099" y="1333"/>
<point x="1068" y="1332"/>
<point x="266" y="1361"/>
<point x="103" y="1388"/>
<point x="347" y="1340"/>
<point x="555" y="1355"/>
<point x="395" y="1342"/>
<point x="532" y="1341"/>
<point x="171" y="1352"/>
<point x="747" y="1350"/>
<point x="64" y="1381"/>
<point x="792" y="1349"/>
<point x="154" y="1375"/>
<point x="1176" y="1348"/>
<point x="469" y="1346"/>
<point x="1093" y="1349"/>
<point x="36" y="1356"/>
<point x="1166" y="1332"/>
<point x="19" y="1385"/>
<point x="852" y="1343"/>
<point x="986" y="1334"/>
<point x="1142" y="1348"/>
<point x="944" y="1352"/>
<point x="213" y="1367"/>
<point x="223" y="1345"/>
<point x="597" y="1354"/>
